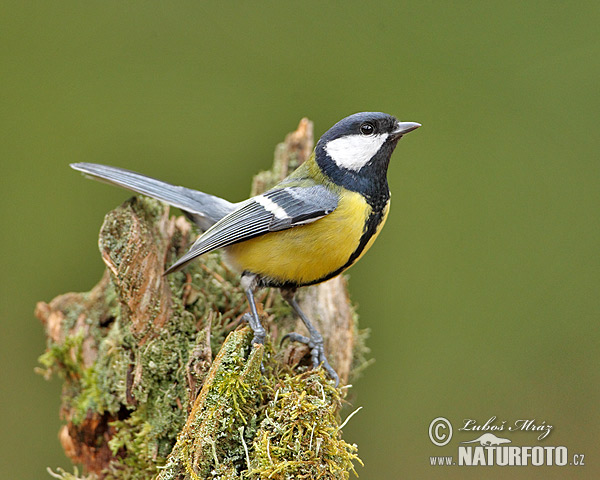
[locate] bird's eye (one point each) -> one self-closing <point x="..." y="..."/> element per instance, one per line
<point x="367" y="128"/>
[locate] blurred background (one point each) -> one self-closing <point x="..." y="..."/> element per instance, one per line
<point x="482" y="291"/>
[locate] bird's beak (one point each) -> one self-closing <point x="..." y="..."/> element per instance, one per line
<point x="402" y="128"/>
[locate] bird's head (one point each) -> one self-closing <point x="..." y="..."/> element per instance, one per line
<point x="358" y="148"/>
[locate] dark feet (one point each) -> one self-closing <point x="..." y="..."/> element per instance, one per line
<point x="317" y="352"/>
<point x="259" y="331"/>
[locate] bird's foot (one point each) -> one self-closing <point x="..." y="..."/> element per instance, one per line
<point x="317" y="352"/>
<point x="260" y="334"/>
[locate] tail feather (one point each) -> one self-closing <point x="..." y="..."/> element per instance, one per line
<point x="203" y="209"/>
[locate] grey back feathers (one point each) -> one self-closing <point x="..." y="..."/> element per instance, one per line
<point x="203" y="209"/>
<point x="277" y="209"/>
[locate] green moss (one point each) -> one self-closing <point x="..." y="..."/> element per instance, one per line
<point x="134" y="435"/>
<point x="148" y="209"/>
<point x="63" y="359"/>
<point x="270" y="425"/>
<point x="250" y="424"/>
<point x="230" y="399"/>
<point x="299" y="436"/>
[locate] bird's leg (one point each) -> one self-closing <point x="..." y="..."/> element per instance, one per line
<point x="249" y="285"/>
<point x="254" y="321"/>
<point x="315" y="342"/>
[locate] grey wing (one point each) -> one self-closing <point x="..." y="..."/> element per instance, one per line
<point x="275" y="210"/>
<point x="203" y="209"/>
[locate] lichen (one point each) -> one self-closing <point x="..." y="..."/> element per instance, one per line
<point x="145" y="388"/>
<point x="64" y="475"/>
<point x="248" y="425"/>
<point x="191" y="399"/>
<point x="299" y="436"/>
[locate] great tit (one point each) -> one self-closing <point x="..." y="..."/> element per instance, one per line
<point x="310" y="227"/>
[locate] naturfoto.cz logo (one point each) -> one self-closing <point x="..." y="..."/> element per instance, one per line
<point x="489" y="449"/>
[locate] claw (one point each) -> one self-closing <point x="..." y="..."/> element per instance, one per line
<point x="315" y="342"/>
<point x="317" y="352"/>
<point x="259" y="335"/>
<point x="259" y="332"/>
<point x="315" y="357"/>
<point x="295" y="337"/>
<point x="331" y="372"/>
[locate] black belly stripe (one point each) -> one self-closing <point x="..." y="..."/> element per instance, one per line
<point x="370" y="229"/>
<point x="371" y="226"/>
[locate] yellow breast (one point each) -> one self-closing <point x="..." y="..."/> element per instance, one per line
<point x="307" y="253"/>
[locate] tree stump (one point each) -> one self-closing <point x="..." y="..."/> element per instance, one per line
<point x="160" y="377"/>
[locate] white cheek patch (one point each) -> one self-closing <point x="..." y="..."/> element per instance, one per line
<point x="354" y="151"/>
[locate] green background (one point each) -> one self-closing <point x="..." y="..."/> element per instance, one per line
<point x="481" y="292"/>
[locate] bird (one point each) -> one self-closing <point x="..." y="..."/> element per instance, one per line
<point x="309" y="228"/>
